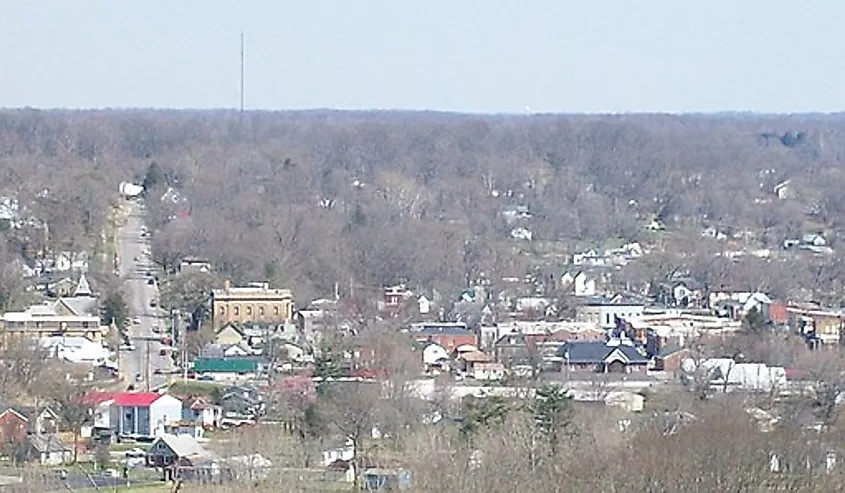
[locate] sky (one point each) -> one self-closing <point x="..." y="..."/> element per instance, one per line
<point x="479" y="56"/>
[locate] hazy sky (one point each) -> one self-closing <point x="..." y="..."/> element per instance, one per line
<point x="467" y="55"/>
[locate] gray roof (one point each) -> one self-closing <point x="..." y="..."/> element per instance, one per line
<point x="183" y="445"/>
<point x="431" y="330"/>
<point x="82" y="305"/>
<point x="47" y="443"/>
<point x="590" y="352"/>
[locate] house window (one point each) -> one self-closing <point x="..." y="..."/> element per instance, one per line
<point x="276" y="310"/>
<point x="249" y="310"/>
<point x="222" y="310"/>
<point x="261" y="310"/>
<point x="236" y="310"/>
<point x="85" y="325"/>
<point x="39" y="325"/>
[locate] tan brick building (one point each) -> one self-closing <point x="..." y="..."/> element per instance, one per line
<point x="256" y="302"/>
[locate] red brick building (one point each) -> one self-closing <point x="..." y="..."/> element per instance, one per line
<point x="13" y="427"/>
<point x="448" y="336"/>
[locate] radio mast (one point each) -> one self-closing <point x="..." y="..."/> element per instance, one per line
<point x="243" y="70"/>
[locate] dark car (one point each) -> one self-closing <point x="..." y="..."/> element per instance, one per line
<point x="151" y="281"/>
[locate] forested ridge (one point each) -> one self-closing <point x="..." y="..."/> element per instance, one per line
<point x="311" y="199"/>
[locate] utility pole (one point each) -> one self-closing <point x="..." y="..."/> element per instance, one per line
<point x="183" y="348"/>
<point x="147" y="367"/>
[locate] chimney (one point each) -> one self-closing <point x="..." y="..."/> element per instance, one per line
<point x="227" y="284"/>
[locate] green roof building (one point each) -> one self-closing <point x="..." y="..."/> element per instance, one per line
<point x="227" y="365"/>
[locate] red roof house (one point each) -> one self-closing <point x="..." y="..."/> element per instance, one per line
<point x="141" y="414"/>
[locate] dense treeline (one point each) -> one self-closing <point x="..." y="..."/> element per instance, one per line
<point x="314" y="199"/>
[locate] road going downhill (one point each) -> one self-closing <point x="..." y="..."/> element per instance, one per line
<point x="140" y="365"/>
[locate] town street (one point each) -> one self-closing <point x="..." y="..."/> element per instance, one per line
<point x="135" y="267"/>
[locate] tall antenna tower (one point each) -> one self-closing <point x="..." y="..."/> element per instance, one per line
<point x="243" y="70"/>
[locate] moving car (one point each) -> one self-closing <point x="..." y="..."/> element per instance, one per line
<point x="127" y="347"/>
<point x="153" y="303"/>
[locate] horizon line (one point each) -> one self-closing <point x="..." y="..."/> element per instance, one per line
<point x="512" y="114"/>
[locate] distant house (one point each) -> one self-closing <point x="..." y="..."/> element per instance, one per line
<point x="578" y="284"/>
<point x="190" y="265"/>
<point x="342" y="452"/>
<point x="395" y="296"/>
<point x="171" y="452"/>
<point x="143" y="414"/>
<point x="48" y="450"/>
<point x="71" y="261"/>
<point x="424" y="305"/>
<point x="60" y="288"/>
<point x="682" y="293"/>
<point x="15" y="419"/>
<point x="13" y="428"/>
<point x="203" y="413"/>
<point x="613" y="356"/>
<point x="240" y="403"/>
<point x="783" y="190"/>
<point x="229" y="335"/>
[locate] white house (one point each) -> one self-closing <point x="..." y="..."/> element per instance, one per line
<point x="203" y="413"/>
<point x="143" y="414"/>
<point x="783" y="190"/>
<point x="48" y="449"/>
<point x="424" y="305"/>
<point x="345" y="452"/>
<point x="584" y="286"/>
<point x="578" y="284"/>
<point x="71" y="261"/>
<point x="434" y="354"/>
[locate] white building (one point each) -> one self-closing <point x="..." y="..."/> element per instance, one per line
<point x="605" y="313"/>
<point x="76" y="350"/>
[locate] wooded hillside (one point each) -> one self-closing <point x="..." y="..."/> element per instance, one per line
<point x="313" y="198"/>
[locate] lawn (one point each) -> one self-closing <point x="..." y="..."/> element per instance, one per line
<point x="207" y="389"/>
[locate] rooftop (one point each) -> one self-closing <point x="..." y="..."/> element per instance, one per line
<point x="136" y="399"/>
<point x="252" y="290"/>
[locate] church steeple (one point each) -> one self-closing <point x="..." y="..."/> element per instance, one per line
<point x="82" y="287"/>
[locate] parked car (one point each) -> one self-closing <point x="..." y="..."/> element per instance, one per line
<point x="135" y="453"/>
